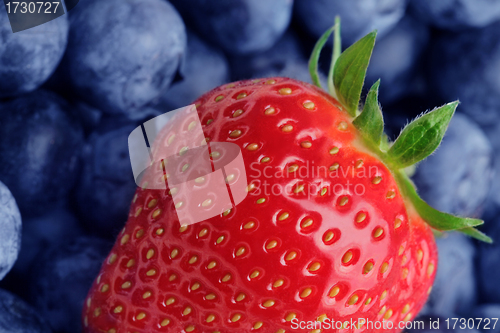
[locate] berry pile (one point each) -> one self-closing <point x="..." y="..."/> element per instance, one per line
<point x="73" y="89"/>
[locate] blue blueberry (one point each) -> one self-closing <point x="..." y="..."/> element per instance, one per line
<point x="287" y="58"/>
<point x="18" y="317"/>
<point x="49" y="230"/>
<point x="464" y="66"/>
<point x="88" y="116"/>
<point x="359" y="17"/>
<point x="106" y="184"/>
<point x="457" y="14"/>
<point x="10" y="230"/>
<point x="396" y="59"/>
<point x="287" y="50"/>
<point x="205" y="67"/>
<point x="238" y="26"/>
<point x="493" y="201"/>
<point x="489" y="264"/>
<point x="62" y="278"/>
<point x="122" y="54"/>
<point x="52" y="229"/>
<point x="39" y="150"/>
<point x="457" y="177"/>
<point x="454" y="290"/>
<point x="29" y="57"/>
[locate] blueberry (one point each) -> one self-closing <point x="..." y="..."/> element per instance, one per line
<point x="457" y="14"/>
<point x="454" y="290"/>
<point x="107" y="185"/>
<point x="396" y="58"/>
<point x="493" y="201"/>
<point x="238" y="26"/>
<point x="205" y="68"/>
<point x="286" y="50"/>
<point x="489" y="264"/>
<point x="359" y="17"/>
<point x="10" y="230"/>
<point x="18" y="317"/>
<point x="464" y="66"/>
<point x="88" y="116"/>
<point x="61" y="280"/>
<point x="39" y="150"/>
<point x="28" y="58"/>
<point x="457" y="177"/>
<point x="287" y="58"/>
<point x="122" y="54"/>
<point x="54" y="228"/>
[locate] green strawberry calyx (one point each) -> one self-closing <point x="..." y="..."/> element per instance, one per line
<point x="417" y="140"/>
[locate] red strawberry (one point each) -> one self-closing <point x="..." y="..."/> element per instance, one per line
<point x="331" y="230"/>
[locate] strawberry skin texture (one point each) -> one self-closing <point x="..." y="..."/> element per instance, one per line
<point x="308" y="253"/>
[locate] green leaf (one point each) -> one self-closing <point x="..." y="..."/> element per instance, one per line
<point x="314" y="59"/>
<point x="471" y="232"/>
<point x="371" y="122"/>
<point x="350" y="71"/>
<point x="436" y="219"/>
<point x="421" y="137"/>
<point x="474" y="233"/>
<point x="337" y="50"/>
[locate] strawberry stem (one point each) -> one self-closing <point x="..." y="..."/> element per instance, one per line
<point x="314" y="59"/>
<point x="417" y="141"/>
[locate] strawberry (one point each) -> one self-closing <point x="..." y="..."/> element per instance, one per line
<point x="332" y="230"/>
